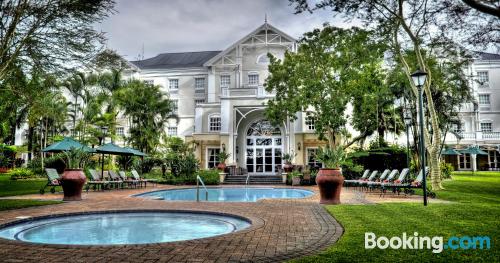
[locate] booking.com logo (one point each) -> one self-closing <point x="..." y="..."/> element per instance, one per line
<point x="435" y="243"/>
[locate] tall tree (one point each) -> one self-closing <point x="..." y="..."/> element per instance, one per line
<point x="325" y="75"/>
<point x="50" y="34"/>
<point x="149" y="110"/>
<point x="416" y="25"/>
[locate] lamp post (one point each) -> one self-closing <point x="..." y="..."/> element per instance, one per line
<point x="418" y="78"/>
<point x="102" y="139"/>
<point x="407" y="119"/>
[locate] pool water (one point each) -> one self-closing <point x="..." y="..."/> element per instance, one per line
<point x="123" y="228"/>
<point x="227" y="194"/>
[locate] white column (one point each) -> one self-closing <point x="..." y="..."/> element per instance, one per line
<point x="211" y="86"/>
<point x="473" y="162"/>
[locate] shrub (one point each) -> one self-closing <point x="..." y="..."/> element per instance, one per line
<point x="53" y="161"/>
<point x="209" y="177"/>
<point x="446" y="170"/>
<point x="393" y="157"/>
<point x="21" y="173"/>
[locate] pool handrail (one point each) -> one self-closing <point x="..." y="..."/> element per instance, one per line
<point x="198" y="180"/>
<point x="246" y="182"/>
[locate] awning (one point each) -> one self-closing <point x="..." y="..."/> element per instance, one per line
<point x="474" y="150"/>
<point x="450" y="151"/>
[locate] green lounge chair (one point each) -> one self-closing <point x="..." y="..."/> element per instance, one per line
<point x="387" y="183"/>
<point x="128" y="181"/>
<point x="372" y="178"/>
<point x="53" y="179"/>
<point x="136" y="176"/>
<point x="115" y="179"/>
<point x="96" y="182"/>
<point x="383" y="177"/>
<point x="348" y="183"/>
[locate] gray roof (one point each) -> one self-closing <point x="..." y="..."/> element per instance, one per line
<point x="488" y="56"/>
<point x="176" y="60"/>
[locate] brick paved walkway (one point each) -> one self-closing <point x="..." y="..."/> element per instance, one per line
<point x="282" y="229"/>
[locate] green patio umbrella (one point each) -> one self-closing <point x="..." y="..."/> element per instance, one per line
<point x="136" y="152"/>
<point x="450" y="151"/>
<point x="65" y="145"/>
<point x="111" y="149"/>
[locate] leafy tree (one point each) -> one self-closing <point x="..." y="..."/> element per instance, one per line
<point x="330" y="68"/>
<point x="440" y="27"/>
<point x="50" y="35"/>
<point x="149" y="109"/>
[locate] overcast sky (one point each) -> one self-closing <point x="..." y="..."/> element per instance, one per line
<point x="199" y="25"/>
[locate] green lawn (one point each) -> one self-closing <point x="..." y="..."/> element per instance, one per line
<point x="475" y="211"/>
<point x="21" y="187"/>
<point x="7" y="204"/>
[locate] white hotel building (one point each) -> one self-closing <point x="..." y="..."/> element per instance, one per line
<point x="221" y="99"/>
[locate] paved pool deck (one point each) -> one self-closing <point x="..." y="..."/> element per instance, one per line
<point x="281" y="229"/>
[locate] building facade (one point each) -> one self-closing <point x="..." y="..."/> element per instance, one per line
<point x="220" y="101"/>
<point x="480" y="120"/>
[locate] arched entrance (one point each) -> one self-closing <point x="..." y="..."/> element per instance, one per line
<point x="263" y="148"/>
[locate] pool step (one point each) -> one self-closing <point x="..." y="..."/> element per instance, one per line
<point x="255" y="179"/>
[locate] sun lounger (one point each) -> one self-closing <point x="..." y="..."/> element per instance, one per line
<point x="385" y="176"/>
<point x="388" y="183"/>
<point x="348" y="183"/>
<point x="96" y="182"/>
<point x="136" y="176"/>
<point x="53" y="179"/>
<point x="363" y="183"/>
<point x="115" y="179"/>
<point x="128" y="181"/>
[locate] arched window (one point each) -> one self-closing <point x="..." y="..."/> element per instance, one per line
<point x="263" y="128"/>
<point x="263" y="59"/>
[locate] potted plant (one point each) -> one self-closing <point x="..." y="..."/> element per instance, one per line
<point x="73" y="177"/>
<point x="330" y="179"/>
<point x="222" y="157"/>
<point x="288" y="157"/>
<point x="296" y="178"/>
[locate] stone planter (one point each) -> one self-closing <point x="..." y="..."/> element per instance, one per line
<point x="72" y="183"/>
<point x="3" y="170"/>
<point x="222" y="177"/>
<point x="296" y="180"/>
<point x="330" y="183"/>
<point x="283" y="177"/>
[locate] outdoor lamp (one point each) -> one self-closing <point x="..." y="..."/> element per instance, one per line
<point x="223" y="147"/>
<point x="419" y="77"/>
<point x="407" y="116"/>
<point x="298" y="146"/>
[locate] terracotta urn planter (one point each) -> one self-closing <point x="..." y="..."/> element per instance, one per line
<point x="221" y="167"/>
<point x="330" y="183"/>
<point x="72" y="183"/>
<point x="3" y="170"/>
<point x="288" y="167"/>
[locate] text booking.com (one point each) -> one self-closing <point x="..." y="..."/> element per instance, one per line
<point x="436" y="243"/>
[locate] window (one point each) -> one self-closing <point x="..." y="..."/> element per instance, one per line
<point x="120" y="131"/>
<point x="253" y="79"/>
<point x="212" y="158"/>
<point x="486" y="127"/>
<point x="484" y="99"/>
<point x="199" y="101"/>
<point x="459" y="128"/>
<point x="215" y="123"/>
<point x="310" y="123"/>
<point x="149" y="81"/>
<point x="199" y="84"/>
<point x="482" y="77"/>
<point x="173" y="84"/>
<point x="175" y="106"/>
<point x="225" y="81"/>
<point x="172" y="131"/>
<point x="263" y="59"/>
<point x="311" y="158"/>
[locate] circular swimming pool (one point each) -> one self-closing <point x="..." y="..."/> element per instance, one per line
<point x="227" y="194"/>
<point x="119" y="228"/>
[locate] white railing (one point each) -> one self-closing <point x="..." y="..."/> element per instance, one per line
<point x="491" y="135"/>
<point x="246" y="182"/>
<point x="198" y="181"/>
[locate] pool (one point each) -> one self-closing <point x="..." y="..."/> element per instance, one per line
<point x="227" y="194"/>
<point x="120" y="228"/>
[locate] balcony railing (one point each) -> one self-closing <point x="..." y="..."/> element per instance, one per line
<point x="478" y="136"/>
